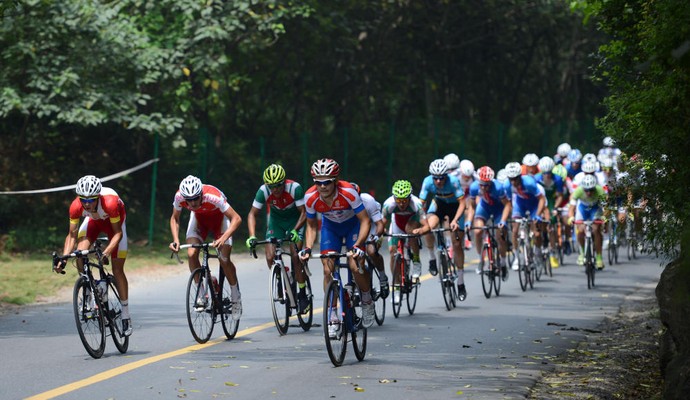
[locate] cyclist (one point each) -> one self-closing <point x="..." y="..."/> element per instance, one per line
<point x="561" y="153"/>
<point x="553" y="188"/>
<point x="373" y="208"/>
<point x="573" y="163"/>
<point x="448" y="201"/>
<point x="530" y="164"/>
<point x="104" y="212"/>
<point x="609" y="151"/>
<point x="561" y="171"/>
<point x="210" y="214"/>
<point x="526" y="195"/>
<point x="406" y="214"/>
<point x="344" y="219"/>
<point x="467" y="176"/>
<point x="586" y="204"/>
<point x="589" y="167"/>
<point x="286" y="216"/>
<point x="493" y="201"/>
<point x="453" y="162"/>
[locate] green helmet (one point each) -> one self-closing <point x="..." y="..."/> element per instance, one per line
<point x="274" y="174"/>
<point x="402" y="189"/>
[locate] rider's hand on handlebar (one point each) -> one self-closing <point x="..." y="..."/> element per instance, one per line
<point x="251" y="242"/>
<point x="356" y="252"/>
<point x="501" y="224"/>
<point x="374" y="238"/>
<point x="174" y="246"/>
<point x="294" y="235"/>
<point x="570" y="220"/>
<point x="304" y="254"/>
<point x="59" y="268"/>
<point x="467" y="226"/>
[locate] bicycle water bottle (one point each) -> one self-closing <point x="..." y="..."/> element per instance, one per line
<point x="102" y="287"/>
<point x="348" y="294"/>
<point x="216" y="285"/>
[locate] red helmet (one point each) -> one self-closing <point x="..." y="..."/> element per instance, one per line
<point x="325" y="167"/>
<point x="486" y="174"/>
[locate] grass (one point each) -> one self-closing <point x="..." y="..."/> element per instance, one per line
<point x="25" y="278"/>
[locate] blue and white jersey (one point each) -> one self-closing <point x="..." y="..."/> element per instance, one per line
<point x="450" y="192"/>
<point x="491" y="197"/>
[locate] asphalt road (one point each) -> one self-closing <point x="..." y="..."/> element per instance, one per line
<point x="485" y="348"/>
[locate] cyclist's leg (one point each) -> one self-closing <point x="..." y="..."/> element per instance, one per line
<point x="196" y="233"/>
<point x="430" y="240"/>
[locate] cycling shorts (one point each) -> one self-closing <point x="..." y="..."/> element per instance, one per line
<point x="521" y="206"/>
<point x="278" y="227"/>
<point x="442" y="209"/>
<point x="334" y="233"/>
<point x="200" y="225"/>
<point x="91" y="228"/>
<point x="484" y="211"/>
<point x="396" y="229"/>
<point x="584" y="213"/>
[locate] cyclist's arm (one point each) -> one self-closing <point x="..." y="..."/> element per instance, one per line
<point x="310" y="232"/>
<point x="540" y="206"/>
<point x="364" y="227"/>
<point x="235" y="221"/>
<point x="251" y="221"/>
<point x="507" y="209"/>
<point x="470" y="209"/>
<point x="302" y="217"/>
<point x="458" y="213"/>
<point x="175" y="228"/>
<point x="71" y="239"/>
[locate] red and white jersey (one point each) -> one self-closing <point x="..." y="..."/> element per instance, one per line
<point x="110" y="206"/>
<point x="346" y="203"/>
<point x="212" y="199"/>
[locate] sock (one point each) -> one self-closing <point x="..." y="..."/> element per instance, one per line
<point x="432" y="253"/>
<point x="366" y="297"/>
<point x="415" y="257"/>
<point x="125" y="309"/>
<point x="235" y="293"/>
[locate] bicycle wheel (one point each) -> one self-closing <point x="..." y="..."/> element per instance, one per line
<point x="376" y="295"/>
<point x="397" y="286"/>
<point x="114" y="316"/>
<point x="280" y="303"/>
<point x="446" y="282"/>
<point x="336" y="344"/>
<point x="611" y="252"/>
<point x="531" y="267"/>
<point x="523" y="271"/>
<point x="412" y="286"/>
<point x="540" y="264"/>
<point x="229" y="323"/>
<point x="89" y="319"/>
<point x="359" y="333"/>
<point x="485" y="272"/>
<point x="496" y="273"/>
<point x="306" y="319"/>
<point x="200" y="306"/>
<point x="589" y="262"/>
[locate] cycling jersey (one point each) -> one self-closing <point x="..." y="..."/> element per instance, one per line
<point x="373" y="208"/>
<point x="451" y="191"/>
<point x="213" y="201"/>
<point x="601" y="179"/>
<point x="526" y="197"/>
<point x="346" y="203"/>
<point x="490" y="200"/>
<point x="589" y="206"/>
<point x="209" y="217"/>
<point x="552" y="187"/>
<point x="110" y="210"/>
<point x="414" y="211"/>
<point x="283" y="206"/>
<point x="572" y="171"/>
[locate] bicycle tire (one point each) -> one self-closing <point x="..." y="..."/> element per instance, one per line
<point x="114" y="316"/>
<point x="306" y="320"/>
<point x="337" y="346"/>
<point x="397" y="286"/>
<point x="413" y="285"/>
<point x="446" y="283"/>
<point x="376" y="295"/>
<point x="530" y="268"/>
<point x="200" y="321"/>
<point x="589" y="262"/>
<point x="89" y="319"/>
<point x="280" y="303"/>
<point x="486" y="272"/>
<point x="523" y="271"/>
<point x="358" y="333"/>
<point x="497" y="277"/>
<point x="228" y="322"/>
<point x="541" y="265"/>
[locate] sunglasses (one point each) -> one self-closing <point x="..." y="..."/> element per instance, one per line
<point x="88" y="200"/>
<point x="439" y="177"/>
<point x="324" y="183"/>
<point x="275" y="185"/>
<point x="484" y="185"/>
<point x="191" y="199"/>
<point x="401" y="199"/>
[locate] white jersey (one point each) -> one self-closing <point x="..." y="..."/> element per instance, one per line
<point x="373" y="208"/>
<point x="577" y="180"/>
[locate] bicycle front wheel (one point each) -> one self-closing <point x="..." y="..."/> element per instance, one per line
<point x="377" y="296"/>
<point x="496" y="273"/>
<point x="485" y="271"/>
<point x="114" y="316"/>
<point x="540" y="265"/>
<point x="306" y="319"/>
<point x="397" y="286"/>
<point x="523" y="272"/>
<point x="589" y="268"/>
<point x="200" y="307"/>
<point x="280" y="303"/>
<point x="446" y="282"/>
<point x="412" y="286"/>
<point x="334" y="328"/>
<point x="228" y="321"/>
<point x="89" y="319"/>
<point x="359" y="343"/>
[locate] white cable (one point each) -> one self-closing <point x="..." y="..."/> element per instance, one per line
<point x="104" y="179"/>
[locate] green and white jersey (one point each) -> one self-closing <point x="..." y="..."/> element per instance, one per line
<point x="283" y="206"/>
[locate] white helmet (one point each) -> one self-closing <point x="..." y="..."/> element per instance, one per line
<point x="452" y="161"/>
<point x="190" y="187"/>
<point x="530" y="160"/>
<point x="606" y="162"/>
<point x="546" y="164"/>
<point x="88" y="186"/>
<point x="466" y="168"/>
<point x="589" y="167"/>
<point x="575" y="155"/>
<point x="589" y="182"/>
<point x="608" y="141"/>
<point x="513" y="170"/>
<point x="501" y="175"/>
<point x="563" y="150"/>
<point x="438" y="167"/>
<point x="589" y="157"/>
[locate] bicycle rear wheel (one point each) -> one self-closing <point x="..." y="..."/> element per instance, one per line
<point x="359" y="333"/>
<point x="412" y="286"/>
<point x="200" y="307"/>
<point x="485" y="271"/>
<point x="336" y="344"/>
<point x="306" y="319"/>
<point x="496" y="273"/>
<point x="377" y="296"/>
<point x="523" y="271"/>
<point x="446" y="282"/>
<point x="114" y="316"/>
<point x="397" y="286"/>
<point x="229" y="323"/>
<point x="540" y="264"/>
<point x="280" y="303"/>
<point x="89" y="319"/>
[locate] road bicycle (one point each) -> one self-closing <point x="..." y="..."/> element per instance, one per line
<point x="283" y="289"/>
<point x="404" y="286"/>
<point x="612" y="228"/>
<point x="631" y="237"/>
<point x="448" y="273"/>
<point x="525" y="254"/>
<point x="590" y="269"/>
<point x="565" y="243"/>
<point x="96" y="302"/>
<point x="379" y="293"/>
<point x="208" y="298"/>
<point x="490" y="261"/>
<point x="342" y="314"/>
<point x="545" y="261"/>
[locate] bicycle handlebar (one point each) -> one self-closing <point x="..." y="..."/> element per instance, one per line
<point x="402" y="235"/>
<point x="274" y="241"/>
<point x="203" y="246"/>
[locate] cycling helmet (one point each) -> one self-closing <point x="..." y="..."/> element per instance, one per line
<point x="466" y="168"/>
<point x="608" y="141"/>
<point x="356" y="186"/>
<point x="501" y="175"/>
<point x="606" y="162"/>
<point x="190" y="187"/>
<point x="274" y="174"/>
<point x="589" y="157"/>
<point x="438" y="167"/>
<point x="563" y="150"/>
<point x="546" y="164"/>
<point x="589" y="182"/>
<point x="452" y="161"/>
<point x="589" y="167"/>
<point x="513" y="170"/>
<point x="325" y="167"/>
<point x="88" y="186"/>
<point x="486" y="174"/>
<point x="402" y="189"/>
<point x="575" y="155"/>
<point x="530" y="160"/>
